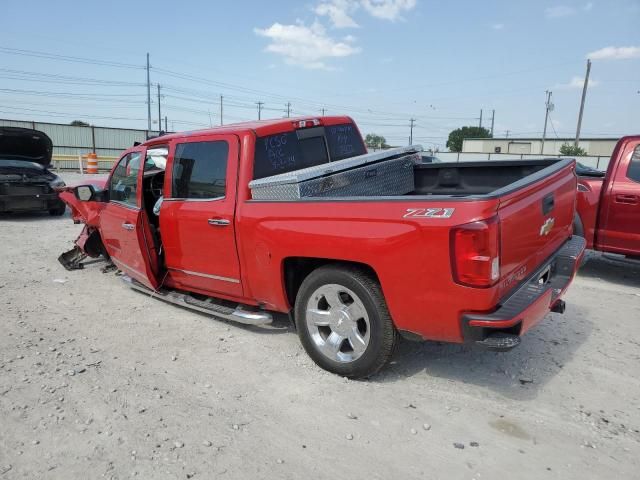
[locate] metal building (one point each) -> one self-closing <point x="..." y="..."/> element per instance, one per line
<point x="593" y="146"/>
<point x="72" y="141"/>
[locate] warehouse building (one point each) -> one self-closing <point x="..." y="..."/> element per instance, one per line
<point x="593" y="146"/>
<point x="70" y="140"/>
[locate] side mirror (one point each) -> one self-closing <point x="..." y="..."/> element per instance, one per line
<point x="85" y="193"/>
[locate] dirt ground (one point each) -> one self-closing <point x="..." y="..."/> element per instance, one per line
<point x="100" y="381"/>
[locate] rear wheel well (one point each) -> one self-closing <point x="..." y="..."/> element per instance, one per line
<point x="296" y="269"/>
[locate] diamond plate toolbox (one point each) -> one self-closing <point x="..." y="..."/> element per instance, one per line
<point x="386" y="173"/>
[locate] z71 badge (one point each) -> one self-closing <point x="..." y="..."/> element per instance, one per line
<point x="429" y="212"/>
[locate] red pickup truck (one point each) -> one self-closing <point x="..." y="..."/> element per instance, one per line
<point x="608" y="208"/>
<point x="476" y="252"/>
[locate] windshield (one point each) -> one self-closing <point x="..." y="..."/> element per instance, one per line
<point x="20" y="164"/>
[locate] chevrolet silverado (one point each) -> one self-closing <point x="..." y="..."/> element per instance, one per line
<point x="474" y="253"/>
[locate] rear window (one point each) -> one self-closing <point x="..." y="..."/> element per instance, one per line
<point x="286" y="152"/>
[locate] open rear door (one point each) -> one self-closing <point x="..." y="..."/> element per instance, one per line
<point x="124" y="225"/>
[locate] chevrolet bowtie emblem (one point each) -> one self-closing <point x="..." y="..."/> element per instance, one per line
<point x="547" y="226"/>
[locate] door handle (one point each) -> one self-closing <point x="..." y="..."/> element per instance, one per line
<point x="128" y="226"/>
<point x="218" y="222"/>
<point x="628" y="199"/>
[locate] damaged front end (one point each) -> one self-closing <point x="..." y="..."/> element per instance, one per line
<point x="89" y="243"/>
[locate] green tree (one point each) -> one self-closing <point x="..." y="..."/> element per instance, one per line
<point x="572" y="150"/>
<point x="79" y="123"/>
<point x="454" y="143"/>
<point x="375" y="141"/>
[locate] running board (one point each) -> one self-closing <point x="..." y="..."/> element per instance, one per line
<point x="208" y="306"/>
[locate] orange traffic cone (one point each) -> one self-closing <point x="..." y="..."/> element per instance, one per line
<point x="92" y="163"/>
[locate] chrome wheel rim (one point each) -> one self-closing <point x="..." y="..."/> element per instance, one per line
<point x="338" y="323"/>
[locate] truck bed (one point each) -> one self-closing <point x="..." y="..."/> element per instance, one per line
<point x="466" y="179"/>
<point x="477" y="178"/>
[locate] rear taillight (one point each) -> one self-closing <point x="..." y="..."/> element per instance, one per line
<point x="475" y="253"/>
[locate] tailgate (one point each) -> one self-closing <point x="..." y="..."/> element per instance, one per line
<point x="536" y="218"/>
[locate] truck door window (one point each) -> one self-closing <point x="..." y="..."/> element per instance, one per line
<point x="123" y="185"/>
<point x="200" y="170"/>
<point x="633" y="172"/>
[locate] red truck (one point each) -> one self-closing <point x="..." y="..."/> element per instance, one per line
<point x="608" y="207"/>
<point x="475" y="253"/>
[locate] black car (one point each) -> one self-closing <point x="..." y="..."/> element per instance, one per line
<point x="26" y="184"/>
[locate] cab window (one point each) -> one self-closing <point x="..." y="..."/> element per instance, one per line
<point x="123" y="185"/>
<point x="200" y="170"/>
<point x="633" y="172"/>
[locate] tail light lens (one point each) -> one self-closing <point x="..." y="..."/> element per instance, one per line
<point x="475" y="253"/>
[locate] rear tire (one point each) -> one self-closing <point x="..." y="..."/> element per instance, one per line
<point x="343" y="321"/>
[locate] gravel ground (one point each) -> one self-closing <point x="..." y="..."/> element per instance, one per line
<point x="100" y="381"/>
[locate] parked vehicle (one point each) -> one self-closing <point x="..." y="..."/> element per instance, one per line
<point x="608" y="204"/>
<point x="26" y="184"/>
<point x="476" y="252"/>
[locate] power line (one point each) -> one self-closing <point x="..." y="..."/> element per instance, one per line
<point x="66" y="58"/>
<point x="51" y="77"/>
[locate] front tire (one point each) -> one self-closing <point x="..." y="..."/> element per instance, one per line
<point x="343" y="321"/>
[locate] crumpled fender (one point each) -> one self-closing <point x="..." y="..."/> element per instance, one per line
<point x="83" y="212"/>
<point x="89" y="242"/>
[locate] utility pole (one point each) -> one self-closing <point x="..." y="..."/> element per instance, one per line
<point x="148" y="95"/>
<point x="288" y="109"/>
<point x="159" y="114"/>
<point x="480" y="118"/>
<point x="166" y="124"/>
<point x="493" y="117"/>
<point x="323" y="110"/>
<point x="411" y="131"/>
<point x="584" y="96"/>
<point x="547" y="107"/>
<point x="221" y="109"/>
<point x="259" y="104"/>
<point x="506" y="133"/>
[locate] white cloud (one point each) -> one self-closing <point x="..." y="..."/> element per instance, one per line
<point x="388" y="9"/>
<point x="310" y="46"/>
<point x="497" y="26"/>
<point x="559" y="11"/>
<point x="576" y="82"/>
<point x="339" y="12"/>
<point x="306" y="46"/>
<point x="615" y="53"/>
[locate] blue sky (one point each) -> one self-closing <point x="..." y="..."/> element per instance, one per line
<point x="381" y="61"/>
